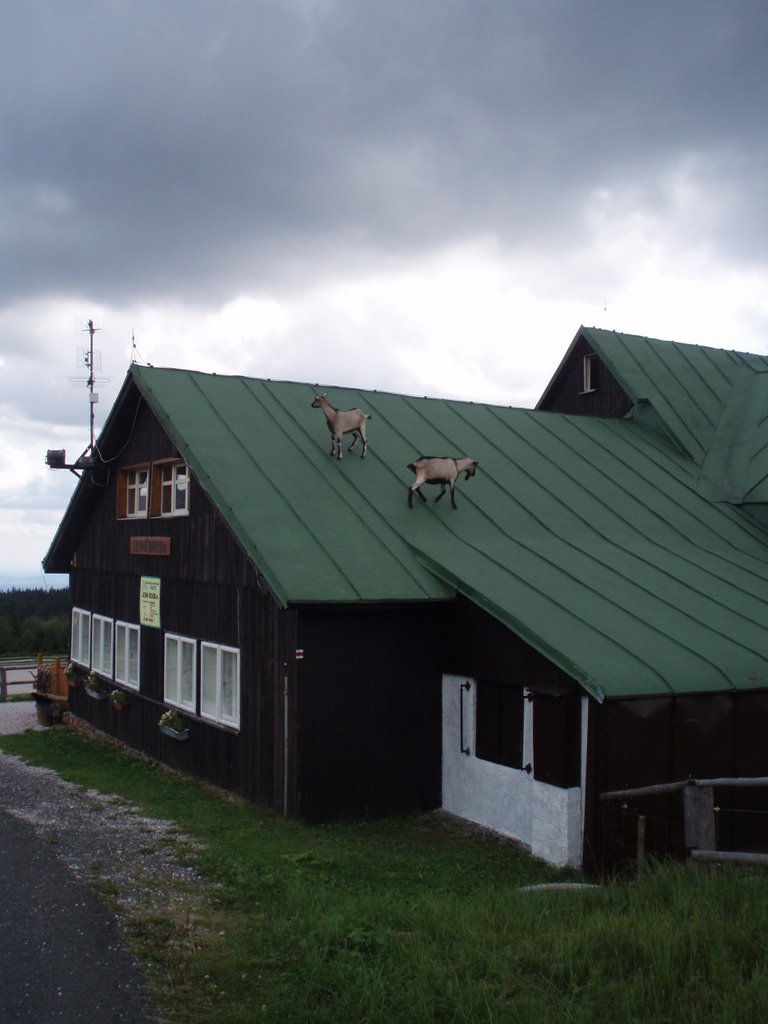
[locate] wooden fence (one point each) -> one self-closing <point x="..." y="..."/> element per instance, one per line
<point x="699" y="814"/>
<point x="47" y="678"/>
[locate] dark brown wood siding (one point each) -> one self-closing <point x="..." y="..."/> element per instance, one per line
<point x="566" y="394"/>
<point x="481" y="647"/>
<point x="368" y="692"/>
<point x="240" y="760"/>
<point x="209" y="592"/>
<point x="644" y="742"/>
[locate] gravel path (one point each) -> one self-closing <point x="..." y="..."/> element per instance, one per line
<point x="65" y="942"/>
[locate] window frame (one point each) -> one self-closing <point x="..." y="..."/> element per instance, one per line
<point x="102" y="653"/>
<point x="160" y="487"/>
<point x="79" y="637"/>
<point x="590" y="369"/>
<point x="218" y="716"/>
<point x="129" y="629"/>
<point x="129" y="491"/>
<point x="175" y="696"/>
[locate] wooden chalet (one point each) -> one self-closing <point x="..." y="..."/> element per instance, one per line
<point x="591" y="618"/>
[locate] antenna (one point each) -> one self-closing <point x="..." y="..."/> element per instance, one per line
<point x="92" y="361"/>
<point x="92" y="396"/>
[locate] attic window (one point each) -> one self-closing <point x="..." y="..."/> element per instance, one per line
<point x="170" y="489"/>
<point x="589" y="373"/>
<point x="133" y="493"/>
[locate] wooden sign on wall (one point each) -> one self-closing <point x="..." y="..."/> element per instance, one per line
<point x="150" y="545"/>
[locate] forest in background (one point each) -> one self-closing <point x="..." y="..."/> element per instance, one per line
<point x="34" y="621"/>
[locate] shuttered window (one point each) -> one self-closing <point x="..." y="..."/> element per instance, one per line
<point x="499" y="723"/>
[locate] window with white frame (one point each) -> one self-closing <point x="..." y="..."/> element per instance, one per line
<point x="137" y="492"/>
<point x="171" y="485"/>
<point x="127" y="654"/>
<point x="180" y="682"/>
<point x="101" y="654"/>
<point x="220" y="683"/>
<point x="80" y="646"/>
<point x="589" y="373"/>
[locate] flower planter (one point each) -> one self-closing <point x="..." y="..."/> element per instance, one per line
<point x="74" y="681"/>
<point x="96" y="694"/>
<point x="120" y="705"/>
<point x="175" y="734"/>
<point x="49" y="712"/>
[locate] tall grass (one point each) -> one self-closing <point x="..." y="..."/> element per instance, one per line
<point x="415" y="920"/>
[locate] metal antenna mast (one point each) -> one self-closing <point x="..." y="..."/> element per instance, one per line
<point x="92" y="397"/>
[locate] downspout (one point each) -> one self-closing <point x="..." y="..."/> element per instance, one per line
<point x="285" y="739"/>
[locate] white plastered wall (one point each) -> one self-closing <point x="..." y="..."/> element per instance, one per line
<point x="547" y="819"/>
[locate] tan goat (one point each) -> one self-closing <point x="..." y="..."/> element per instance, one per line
<point x="444" y="471"/>
<point x="350" y="421"/>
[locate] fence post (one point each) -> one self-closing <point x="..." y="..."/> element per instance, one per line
<point x="3" y="684"/>
<point x="640" y="843"/>
<point x="699" y="817"/>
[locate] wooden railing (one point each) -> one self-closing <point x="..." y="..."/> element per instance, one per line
<point x="46" y="677"/>
<point x="699" y="817"/>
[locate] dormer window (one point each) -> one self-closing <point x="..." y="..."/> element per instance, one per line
<point x="590" y="365"/>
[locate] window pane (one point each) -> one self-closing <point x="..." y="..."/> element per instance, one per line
<point x="143" y="490"/>
<point x="127" y="654"/>
<point x="102" y="645"/>
<point x="171" y="669"/>
<point x="120" y="655"/>
<point x="81" y="636"/>
<point x="132" y="675"/>
<point x="187" y="696"/>
<point x="85" y="638"/>
<point x="181" y="488"/>
<point x="209" y="681"/>
<point x="229" y="674"/>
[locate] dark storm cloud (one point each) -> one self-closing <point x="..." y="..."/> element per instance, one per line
<point x="194" y="150"/>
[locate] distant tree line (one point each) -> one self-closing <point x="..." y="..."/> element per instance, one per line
<point x="34" y="621"/>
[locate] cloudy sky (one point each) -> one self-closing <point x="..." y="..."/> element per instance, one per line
<point x="425" y="196"/>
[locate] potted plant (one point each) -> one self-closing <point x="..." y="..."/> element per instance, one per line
<point x="119" y="700"/>
<point x="73" y="675"/>
<point x="94" y="688"/>
<point x="49" y="712"/>
<point x="172" y="724"/>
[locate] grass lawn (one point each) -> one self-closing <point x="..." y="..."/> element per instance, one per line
<point x="417" y="920"/>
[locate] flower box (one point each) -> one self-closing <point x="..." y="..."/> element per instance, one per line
<point x="96" y="694"/>
<point x="175" y="734"/>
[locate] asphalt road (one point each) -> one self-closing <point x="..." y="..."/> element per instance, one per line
<point x="62" y="959"/>
<point x="61" y="954"/>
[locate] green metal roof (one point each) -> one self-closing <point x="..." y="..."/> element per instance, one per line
<point x="588" y="537"/>
<point x="712" y="403"/>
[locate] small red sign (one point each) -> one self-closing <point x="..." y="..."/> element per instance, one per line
<point x="299" y="653"/>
